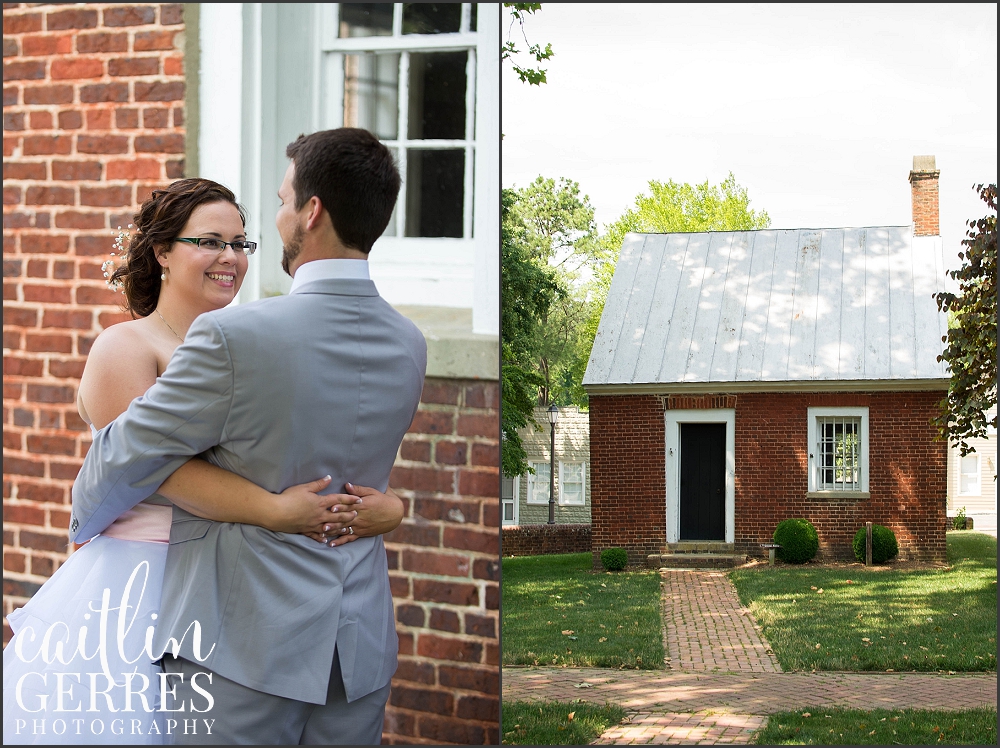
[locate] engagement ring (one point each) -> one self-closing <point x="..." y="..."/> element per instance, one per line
<point x="350" y="530"/>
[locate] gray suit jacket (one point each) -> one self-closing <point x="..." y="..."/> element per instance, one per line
<point x="282" y="391"/>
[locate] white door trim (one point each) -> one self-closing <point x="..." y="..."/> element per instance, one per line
<point x="672" y="419"/>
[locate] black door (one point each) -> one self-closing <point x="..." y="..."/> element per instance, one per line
<point x="703" y="481"/>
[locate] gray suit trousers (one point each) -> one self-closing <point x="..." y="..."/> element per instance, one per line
<point x="242" y="716"/>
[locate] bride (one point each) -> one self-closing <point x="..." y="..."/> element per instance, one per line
<point x="79" y="669"/>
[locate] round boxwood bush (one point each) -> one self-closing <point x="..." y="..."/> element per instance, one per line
<point x="614" y="559"/>
<point x="798" y="540"/>
<point x="884" y="545"/>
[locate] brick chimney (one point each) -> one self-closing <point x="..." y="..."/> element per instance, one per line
<point x="924" y="192"/>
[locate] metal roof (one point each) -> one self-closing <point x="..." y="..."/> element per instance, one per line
<point x="758" y="308"/>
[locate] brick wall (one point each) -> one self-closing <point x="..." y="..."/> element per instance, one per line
<point x="93" y="121"/>
<point x="924" y="197"/>
<point x="540" y="540"/>
<point x="444" y="569"/>
<point x="907" y="472"/>
<point x="627" y="482"/>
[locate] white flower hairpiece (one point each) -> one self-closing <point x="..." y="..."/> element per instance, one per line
<point x="120" y="247"/>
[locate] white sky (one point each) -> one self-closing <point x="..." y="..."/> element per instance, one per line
<point x="817" y="110"/>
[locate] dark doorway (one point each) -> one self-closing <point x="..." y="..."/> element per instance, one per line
<point x="703" y="481"/>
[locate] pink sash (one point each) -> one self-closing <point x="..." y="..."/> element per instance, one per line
<point x="149" y="523"/>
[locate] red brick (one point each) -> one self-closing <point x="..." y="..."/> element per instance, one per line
<point x="447" y="648"/>
<point x="486" y="454"/>
<point x="13" y="561"/>
<point x="440" y="392"/>
<point x="21" y="23"/>
<point x="451" y="593"/>
<point x="92" y="295"/>
<point x="53" y="294"/>
<point x="76" y="68"/>
<point x="93" y="246"/>
<point x="106" y="197"/>
<point x="10" y="47"/>
<point x="76" y="170"/>
<point x="430" y="562"/>
<point x="485" y="569"/>
<point x="430" y="422"/>
<point x="400" y="587"/>
<point x="482" y="395"/>
<point x="126" y="118"/>
<point x="21" y="466"/>
<point x="171" y="14"/>
<point x="102" y="42"/>
<point x="70" y="120"/>
<point x="175" y="168"/>
<point x="66" y="369"/>
<point x="155" y="117"/>
<point x="410" y="615"/>
<point x="451" y="453"/>
<point x="42" y="566"/>
<point x="13" y="122"/>
<point x="79" y="319"/>
<point x="173" y="66"/>
<point x="178" y="116"/>
<point x="71" y="19"/>
<point x="43" y="541"/>
<point x="98" y="93"/>
<point x="48" y="343"/>
<point x="16" y="70"/>
<point x="41" y="120"/>
<point x="448" y="510"/>
<point x="50" y="196"/>
<point x="44" y="243"/>
<point x="63" y="270"/>
<point x="15" y="366"/>
<point x="102" y="144"/>
<point x="415" y="672"/>
<point x="24" y="170"/>
<point x="148" y="41"/>
<point x="445" y="620"/>
<point x="486" y="426"/>
<point x="411" y="533"/>
<point x="48" y="94"/>
<point x="17" y="316"/>
<point x="479" y="482"/>
<point x="423" y="479"/>
<point x="132" y="66"/>
<point x="421" y="699"/>
<point x="417" y="451"/>
<point x="11" y="195"/>
<point x="129" y="15"/>
<point x="44" y="393"/>
<point x="443" y="730"/>
<point x="476" y="625"/>
<point x="75" y="219"/>
<point x="483" y="541"/>
<point x="45" y="44"/>
<point x="46" y="145"/>
<point x="405" y="643"/>
<point x="24" y="514"/>
<point x="480" y="708"/>
<point x="166" y="143"/>
<point x="12" y="441"/>
<point x="470" y="679"/>
<point x="64" y="470"/>
<point x="106" y="319"/>
<point x="140" y="168"/>
<point x="492" y="598"/>
<point x="10" y="145"/>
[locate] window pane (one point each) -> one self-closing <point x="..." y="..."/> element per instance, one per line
<point x="472" y="20"/>
<point x="431" y="18"/>
<point x="371" y="99"/>
<point x="365" y="19"/>
<point x="540" y="482"/>
<point x="969" y="475"/>
<point x="507" y="488"/>
<point x="508" y="512"/>
<point x="437" y="96"/>
<point x="434" y="193"/>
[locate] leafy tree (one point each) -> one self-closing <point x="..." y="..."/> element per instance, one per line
<point x="971" y="350"/>
<point x="671" y="207"/>
<point x="509" y="50"/>
<point x="527" y="291"/>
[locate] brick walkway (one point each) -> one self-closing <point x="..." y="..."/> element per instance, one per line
<point x="723" y="681"/>
<point x="705" y="627"/>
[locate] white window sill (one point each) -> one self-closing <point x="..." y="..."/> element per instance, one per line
<point x="838" y="495"/>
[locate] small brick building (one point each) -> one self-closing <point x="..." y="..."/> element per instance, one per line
<point x="741" y="378"/>
<point x="104" y="102"/>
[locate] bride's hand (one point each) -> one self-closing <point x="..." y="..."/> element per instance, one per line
<point x="302" y="509"/>
<point x="376" y="514"/>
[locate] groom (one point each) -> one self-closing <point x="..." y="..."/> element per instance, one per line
<point x="325" y="380"/>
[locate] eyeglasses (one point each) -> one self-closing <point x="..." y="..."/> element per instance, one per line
<point x="217" y="245"/>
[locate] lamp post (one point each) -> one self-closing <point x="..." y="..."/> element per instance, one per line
<point x="553" y="417"/>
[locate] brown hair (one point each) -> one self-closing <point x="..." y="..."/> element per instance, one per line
<point x="159" y="221"/>
<point x="355" y="178"/>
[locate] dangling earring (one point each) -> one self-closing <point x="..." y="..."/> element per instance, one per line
<point x="163" y="275"/>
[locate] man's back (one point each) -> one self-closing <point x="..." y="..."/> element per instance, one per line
<point x="283" y="391"/>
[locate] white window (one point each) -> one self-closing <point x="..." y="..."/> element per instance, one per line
<point x="838" y="450"/>
<point x="538" y="484"/>
<point x="968" y="476"/>
<point x="508" y="499"/>
<point x="572" y="489"/>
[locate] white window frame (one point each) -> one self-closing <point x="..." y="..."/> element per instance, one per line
<point x="814" y="414"/>
<point x="516" y="480"/>
<point x="533" y="482"/>
<point x="563" y="501"/>
<point x="978" y="487"/>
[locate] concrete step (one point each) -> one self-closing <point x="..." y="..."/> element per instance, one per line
<point x="695" y="560"/>
<point x="700" y="546"/>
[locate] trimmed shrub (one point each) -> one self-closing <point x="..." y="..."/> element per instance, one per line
<point x="798" y="540"/>
<point x="614" y="559"/>
<point x="884" y="545"/>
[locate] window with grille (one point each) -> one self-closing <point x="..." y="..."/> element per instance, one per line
<point x="572" y="490"/>
<point x="838" y="450"/>
<point x="508" y="499"/>
<point x="407" y="72"/>
<point x="538" y="484"/>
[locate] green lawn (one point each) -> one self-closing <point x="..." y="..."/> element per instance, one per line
<point x="855" y="619"/>
<point x="557" y="611"/>
<point x="880" y="727"/>
<point x="554" y="723"/>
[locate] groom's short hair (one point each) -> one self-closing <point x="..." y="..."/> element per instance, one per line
<point x="355" y="178"/>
